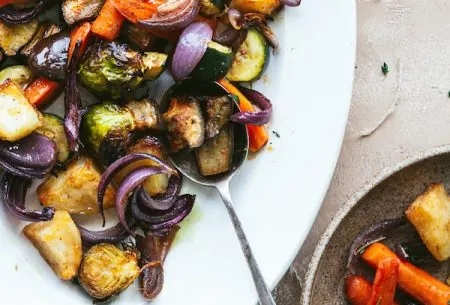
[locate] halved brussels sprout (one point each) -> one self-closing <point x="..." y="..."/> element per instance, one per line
<point x="106" y="270"/>
<point x="111" y="69"/>
<point x="105" y="129"/>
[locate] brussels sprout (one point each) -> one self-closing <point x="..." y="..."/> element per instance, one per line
<point x="104" y="130"/>
<point x="111" y="69"/>
<point x="106" y="270"/>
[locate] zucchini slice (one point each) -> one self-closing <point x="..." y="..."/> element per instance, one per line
<point x="217" y="112"/>
<point x="250" y="59"/>
<point x="22" y="75"/>
<point x="215" y="155"/>
<point x="215" y="63"/>
<point x="185" y="124"/>
<point x="53" y="127"/>
<point x="154" y="64"/>
<point x="14" y="37"/>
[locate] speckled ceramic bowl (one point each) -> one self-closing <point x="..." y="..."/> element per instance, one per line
<point x="387" y="196"/>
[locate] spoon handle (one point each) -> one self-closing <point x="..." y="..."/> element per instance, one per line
<point x="264" y="295"/>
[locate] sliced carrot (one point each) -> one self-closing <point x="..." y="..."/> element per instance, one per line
<point x="41" y="91"/>
<point x="416" y="282"/>
<point x="135" y="10"/>
<point x="358" y="290"/>
<point x="81" y="33"/>
<point x="108" y="23"/>
<point x="383" y="290"/>
<point x="258" y="135"/>
<point x="6" y="2"/>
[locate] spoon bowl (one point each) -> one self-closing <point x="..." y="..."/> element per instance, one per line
<point x="186" y="163"/>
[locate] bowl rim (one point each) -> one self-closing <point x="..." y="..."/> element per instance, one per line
<point x="350" y="204"/>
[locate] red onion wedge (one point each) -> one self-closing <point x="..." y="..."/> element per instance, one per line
<point x="370" y="235"/>
<point x="32" y="157"/>
<point x="291" y="2"/>
<point x="236" y="18"/>
<point x="120" y="164"/>
<point x="72" y="102"/>
<point x="130" y="182"/>
<point x="9" y="15"/>
<point x="172" y="15"/>
<point x="190" y="49"/>
<point x="13" y="191"/>
<point x="160" y="202"/>
<point x="111" y="235"/>
<point x="258" y="117"/>
<point x="157" y="220"/>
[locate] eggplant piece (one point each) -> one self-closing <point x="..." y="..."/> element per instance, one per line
<point x="18" y="117"/>
<point x="14" y="37"/>
<point x="49" y="56"/>
<point x="75" y="11"/>
<point x="217" y="113"/>
<point x="156" y="184"/>
<point x="215" y="155"/>
<point x="45" y="30"/>
<point x="19" y="74"/>
<point x="138" y="37"/>
<point x="185" y="124"/>
<point x="146" y="115"/>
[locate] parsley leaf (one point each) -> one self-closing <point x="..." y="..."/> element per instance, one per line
<point x="385" y="69"/>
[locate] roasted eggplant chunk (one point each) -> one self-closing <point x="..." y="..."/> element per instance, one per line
<point x="215" y="155"/>
<point x="217" y="113"/>
<point x="156" y="184"/>
<point x="14" y="37"/>
<point x="49" y="56"/>
<point x="106" y="270"/>
<point x="185" y="124"/>
<point x="45" y="30"/>
<point x="75" y="11"/>
<point x="75" y="189"/>
<point x="59" y="243"/>
<point x="137" y="37"/>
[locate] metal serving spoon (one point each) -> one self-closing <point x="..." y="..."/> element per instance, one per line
<point x="185" y="162"/>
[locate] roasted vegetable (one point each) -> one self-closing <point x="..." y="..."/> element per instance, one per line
<point x="41" y="91"/>
<point x="185" y="124"/>
<point x="210" y="8"/>
<point x="53" y="128"/>
<point x="111" y="69"/>
<point x="138" y="37"/>
<point x="45" y="30"/>
<point x="75" y="11"/>
<point x="217" y="113"/>
<point x="154" y="64"/>
<point x="156" y="184"/>
<point x="215" y="155"/>
<point x="106" y="270"/>
<point x="19" y="74"/>
<point x="215" y="63"/>
<point x="18" y="116"/>
<point x="430" y="215"/>
<point x="250" y="60"/>
<point x="108" y="23"/>
<point x="49" y="57"/>
<point x="14" y="37"/>
<point x="266" y="7"/>
<point x="75" y="189"/>
<point x="146" y="115"/>
<point x="59" y="243"/>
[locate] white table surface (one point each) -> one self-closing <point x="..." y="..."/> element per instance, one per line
<point x="413" y="38"/>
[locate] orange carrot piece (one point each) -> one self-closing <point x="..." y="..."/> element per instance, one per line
<point x="108" y="23"/>
<point x="135" y="10"/>
<point x="416" y="282"/>
<point x="258" y="135"/>
<point x="6" y="2"/>
<point x="81" y="33"/>
<point x="383" y="290"/>
<point x="41" y="91"/>
<point x="358" y="290"/>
